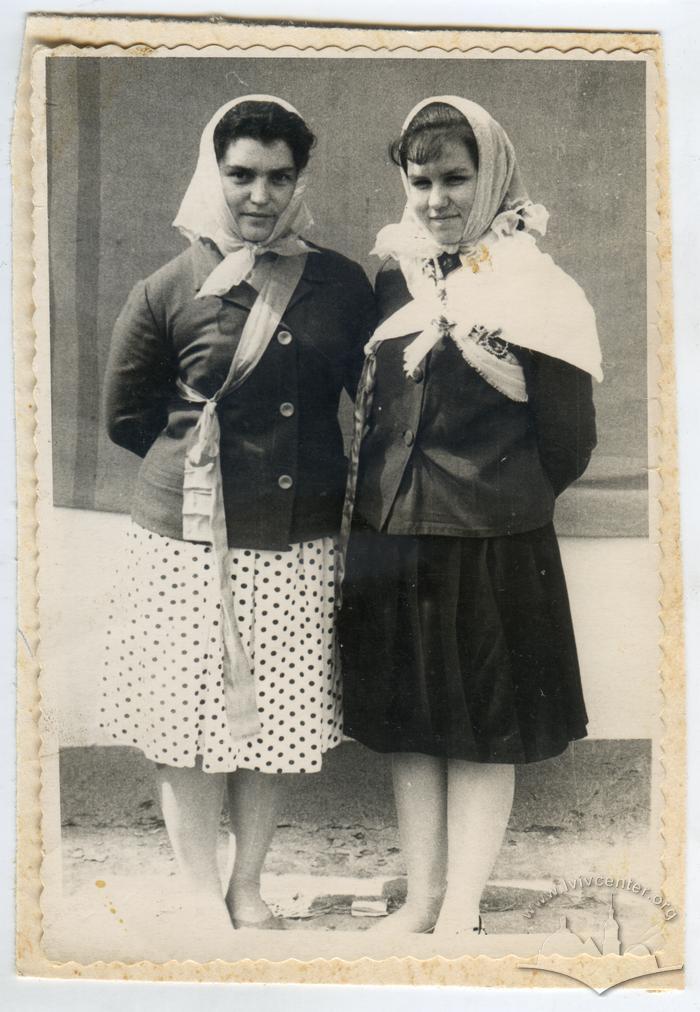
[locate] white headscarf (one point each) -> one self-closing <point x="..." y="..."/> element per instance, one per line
<point x="506" y="287"/>
<point x="204" y="213"/>
<point x="498" y="187"/>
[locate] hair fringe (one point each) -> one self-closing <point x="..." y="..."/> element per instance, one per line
<point x="266" y="122"/>
<point x="424" y="137"/>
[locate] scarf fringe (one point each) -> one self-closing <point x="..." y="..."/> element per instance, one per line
<point x="495" y="373"/>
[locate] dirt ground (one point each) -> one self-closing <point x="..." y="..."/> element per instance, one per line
<point x="366" y="854"/>
<point x="334" y="844"/>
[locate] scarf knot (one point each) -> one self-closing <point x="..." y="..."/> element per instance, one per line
<point x="241" y="259"/>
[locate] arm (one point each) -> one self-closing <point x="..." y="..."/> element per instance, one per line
<point x="390" y="293"/>
<point x="391" y="289"/>
<point x="141" y="371"/>
<point x="364" y="315"/>
<point x="561" y="402"/>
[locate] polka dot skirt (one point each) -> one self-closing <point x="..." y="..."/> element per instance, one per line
<point x="162" y="675"/>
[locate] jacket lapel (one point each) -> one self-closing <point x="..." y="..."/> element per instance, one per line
<point x="313" y="276"/>
<point x="243" y="295"/>
<point x="207" y="256"/>
<point x="300" y="292"/>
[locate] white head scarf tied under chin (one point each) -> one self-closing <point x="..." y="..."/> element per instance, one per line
<point x="506" y="287"/>
<point x="204" y="213"/>
<point x="498" y="187"/>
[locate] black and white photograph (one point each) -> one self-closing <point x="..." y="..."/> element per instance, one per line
<point x="348" y="506"/>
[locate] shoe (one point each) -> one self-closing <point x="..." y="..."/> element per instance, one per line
<point x="269" y="923"/>
<point x="480" y="929"/>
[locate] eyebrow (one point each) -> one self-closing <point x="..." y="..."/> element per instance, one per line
<point x="445" y="172"/>
<point x="270" y="172"/>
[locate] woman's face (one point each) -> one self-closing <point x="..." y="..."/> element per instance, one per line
<point x="441" y="192"/>
<point x="258" y="181"/>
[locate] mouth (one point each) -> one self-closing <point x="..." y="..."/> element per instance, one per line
<point x="256" y="216"/>
<point x="439" y="219"/>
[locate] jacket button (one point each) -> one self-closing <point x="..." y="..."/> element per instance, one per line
<point x="417" y="375"/>
<point x="408" y="437"/>
<point x="287" y="409"/>
<point x="285" y="481"/>
<point x="284" y="337"/>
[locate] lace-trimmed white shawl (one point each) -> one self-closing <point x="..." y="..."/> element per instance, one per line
<point x="506" y="285"/>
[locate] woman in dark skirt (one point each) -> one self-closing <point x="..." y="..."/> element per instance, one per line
<point x="474" y="413"/>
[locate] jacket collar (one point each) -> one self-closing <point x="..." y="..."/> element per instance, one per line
<point x="206" y="256"/>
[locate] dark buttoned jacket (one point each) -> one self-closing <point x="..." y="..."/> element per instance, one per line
<point x="282" y="460"/>
<point x="446" y="453"/>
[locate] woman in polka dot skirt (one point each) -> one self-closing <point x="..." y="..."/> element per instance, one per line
<point x="225" y="374"/>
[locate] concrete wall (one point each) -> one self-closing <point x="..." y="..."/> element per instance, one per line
<point x="582" y="792"/>
<point x="612" y="585"/>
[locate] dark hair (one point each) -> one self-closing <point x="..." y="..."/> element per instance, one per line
<point x="266" y="122"/>
<point x="425" y="135"/>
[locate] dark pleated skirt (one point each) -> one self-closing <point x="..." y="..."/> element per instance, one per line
<point x="460" y="647"/>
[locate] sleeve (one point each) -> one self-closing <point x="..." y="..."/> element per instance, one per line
<point x="141" y="371"/>
<point x="561" y="401"/>
<point x="364" y="322"/>
<point x="391" y="290"/>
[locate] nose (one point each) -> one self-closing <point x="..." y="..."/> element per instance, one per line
<point x="259" y="193"/>
<point x="438" y="197"/>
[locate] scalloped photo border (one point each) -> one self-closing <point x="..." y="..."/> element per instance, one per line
<point x="37" y="773"/>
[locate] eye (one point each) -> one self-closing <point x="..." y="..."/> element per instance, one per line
<point x="282" y="178"/>
<point x="238" y="174"/>
<point x="458" y="179"/>
<point x="420" y="183"/>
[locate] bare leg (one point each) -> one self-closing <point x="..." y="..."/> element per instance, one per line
<point x="255" y="800"/>
<point x="420" y="791"/>
<point x="191" y="801"/>
<point x="479" y="800"/>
